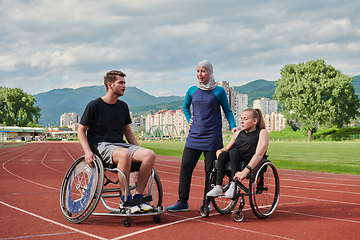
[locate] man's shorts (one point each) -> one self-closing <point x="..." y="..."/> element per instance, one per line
<point x="106" y="149"/>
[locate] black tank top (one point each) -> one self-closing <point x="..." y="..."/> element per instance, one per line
<point x="247" y="142"/>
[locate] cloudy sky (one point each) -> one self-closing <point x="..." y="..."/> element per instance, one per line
<point x="47" y="44"/>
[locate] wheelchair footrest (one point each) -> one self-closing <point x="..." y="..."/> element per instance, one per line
<point x="137" y="201"/>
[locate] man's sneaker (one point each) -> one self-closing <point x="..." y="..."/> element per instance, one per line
<point x="143" y="206"/>
<point x="178" y="207"/>
<point x="215" y="192"/>
<point x="123" y="200"/>
<point x="230" y="192"/>
<point x="133" y="209"/>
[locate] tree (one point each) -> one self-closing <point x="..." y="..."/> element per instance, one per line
<point x="316" y="93"/>
<point x="17" y="108"/>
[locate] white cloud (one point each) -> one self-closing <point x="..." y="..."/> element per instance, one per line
<point x="158" y="43"/>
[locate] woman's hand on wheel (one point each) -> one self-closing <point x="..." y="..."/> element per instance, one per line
<point x="241" y="175"/>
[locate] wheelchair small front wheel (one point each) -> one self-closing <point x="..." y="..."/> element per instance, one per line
<point x="127" y="222"/>
<point x="238" y="215"/>
<point x="204" y="211"/>
<point x="157" y="219"/>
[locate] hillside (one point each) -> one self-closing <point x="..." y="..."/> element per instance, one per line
<point x="58" y="101"/>
<point x="257" y="89"/>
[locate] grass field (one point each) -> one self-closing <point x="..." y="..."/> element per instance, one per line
<point x="332" y="157"/>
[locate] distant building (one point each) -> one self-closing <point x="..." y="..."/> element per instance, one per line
<point x="70" y="120"/>
<point x="138" y="124"/>
<point x="13" y="133"/>
<point x="238" y="103"/>
<point x="266" y="105"/>
<point x="274" y="122"/>
<point x="241" y="103"/>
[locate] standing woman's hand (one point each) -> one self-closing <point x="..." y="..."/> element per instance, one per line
<point x="191" y="121"/>
<point x="235" y="129"/>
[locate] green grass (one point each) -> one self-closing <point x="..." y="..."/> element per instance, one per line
<point x="332" y="157"/>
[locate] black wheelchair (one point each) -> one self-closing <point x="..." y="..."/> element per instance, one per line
<point x="83" y="187"/>
<point x="263" y="192"/>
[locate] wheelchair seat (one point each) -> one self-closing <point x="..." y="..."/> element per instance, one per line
<point x="108" y="166"/>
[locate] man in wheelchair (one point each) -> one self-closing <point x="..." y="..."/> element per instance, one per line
<point x="103" y="124"/>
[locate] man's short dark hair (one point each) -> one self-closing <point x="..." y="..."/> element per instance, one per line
<point x="111" y="76"/>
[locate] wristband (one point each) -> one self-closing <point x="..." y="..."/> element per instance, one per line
<point x="248" y="167"/>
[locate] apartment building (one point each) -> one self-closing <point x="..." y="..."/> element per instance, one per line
<point x="274" y="122"/>
<point x="174" y="123"/>
<point x="138" y="124"/>
<point x="266" y="105"/>
<point x="70" y="120"/>
<point x="238" y="103"/>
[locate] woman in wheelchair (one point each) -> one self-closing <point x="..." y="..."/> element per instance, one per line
<point x="246" y="148"/>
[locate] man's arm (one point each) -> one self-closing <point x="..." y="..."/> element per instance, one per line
<point x="129" y="135"/>
<point x="89" y="155"/>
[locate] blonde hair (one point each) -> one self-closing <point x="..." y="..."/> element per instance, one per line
<point x="256" y="113"/>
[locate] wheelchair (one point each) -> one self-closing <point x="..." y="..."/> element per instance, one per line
<point x="263" y="191"/>
<point x="83" y="187"/>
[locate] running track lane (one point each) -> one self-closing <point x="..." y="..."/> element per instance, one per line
<point x="311" y="206"/>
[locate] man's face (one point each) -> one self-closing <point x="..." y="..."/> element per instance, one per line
<point x="118" y="86"/>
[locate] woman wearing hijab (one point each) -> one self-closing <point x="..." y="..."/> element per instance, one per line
<point x="205" y="134"/>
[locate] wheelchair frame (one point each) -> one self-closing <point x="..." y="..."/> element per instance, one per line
<point x="263" y="192"/>
<point x="83" y="187"/>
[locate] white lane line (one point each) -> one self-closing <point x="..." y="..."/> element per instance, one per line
<point x="53" y="222"/>
<point x="316" y="216"/>
<point x="197" y="219"/>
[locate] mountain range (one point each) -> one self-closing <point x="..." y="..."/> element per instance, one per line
<point x="56" y="102"/>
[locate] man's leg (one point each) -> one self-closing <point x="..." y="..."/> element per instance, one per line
<point x="122" y="158"/>
<point x="147" y="159"/>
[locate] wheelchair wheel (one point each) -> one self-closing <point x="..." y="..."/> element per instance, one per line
<point x="153" y="188"/>
<point x="221" y="204"/>
<point x="81" y="190"/>
<point x="238" y="215"/>
<point x="264" y="189"/>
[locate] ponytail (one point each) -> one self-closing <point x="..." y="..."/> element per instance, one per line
<point x="259" y="116"/>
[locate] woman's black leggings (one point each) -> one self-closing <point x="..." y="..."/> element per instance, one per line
<point x="237" y="160"/>
<point x="189" y="160"/>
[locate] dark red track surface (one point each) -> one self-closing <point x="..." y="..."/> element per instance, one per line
<point x="311" y="206"/>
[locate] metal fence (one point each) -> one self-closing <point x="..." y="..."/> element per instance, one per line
<point x="329" y="138"/>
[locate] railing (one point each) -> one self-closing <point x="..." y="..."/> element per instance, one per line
<point x="329" y="138"/>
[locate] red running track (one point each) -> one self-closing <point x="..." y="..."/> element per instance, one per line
<point x="311" y="206"/>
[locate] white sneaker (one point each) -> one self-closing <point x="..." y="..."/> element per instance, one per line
<point x="210" y="208"/>
<point x="145" y="207"/>
<point x="134" y="209"/>
<point x="215" y="192"/>
<point x="230" y="192"/>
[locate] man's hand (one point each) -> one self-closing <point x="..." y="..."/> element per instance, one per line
<point x="89" y="158"/>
